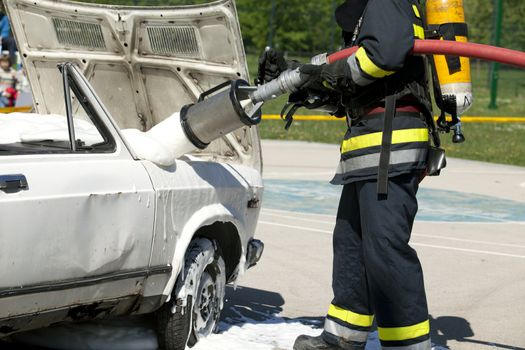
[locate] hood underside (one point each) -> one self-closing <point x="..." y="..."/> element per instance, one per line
<point x="144" y="63"/>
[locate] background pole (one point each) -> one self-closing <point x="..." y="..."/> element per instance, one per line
<point x="333" y="27"/>
<point x="271" y="25"/>
<point x="494" y="71"/>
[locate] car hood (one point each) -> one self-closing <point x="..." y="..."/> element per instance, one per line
<point x="144" y="63"/>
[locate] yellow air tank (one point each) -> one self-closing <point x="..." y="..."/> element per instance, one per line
<point x="446" y="18"/>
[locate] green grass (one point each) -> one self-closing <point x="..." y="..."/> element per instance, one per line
<point x="490" y="142"/>
<point x="511" y="92"/>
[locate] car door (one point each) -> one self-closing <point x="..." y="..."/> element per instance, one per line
<point x="76" y="223"/>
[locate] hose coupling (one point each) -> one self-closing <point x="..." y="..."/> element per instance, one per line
<point x="289" y="81"/>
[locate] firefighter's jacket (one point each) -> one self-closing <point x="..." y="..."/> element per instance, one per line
<point x="381" y="67"/>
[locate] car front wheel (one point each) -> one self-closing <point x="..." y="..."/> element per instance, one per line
<point x="201" y="290"/>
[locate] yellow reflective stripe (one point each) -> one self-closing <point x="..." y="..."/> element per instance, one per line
<point x="376" y="138"/>
<point x="419" y="32"/>
<point x="350" y="317"/>
<point x="370" y="67"/>
<point x="404" y="333"/>
<point x="416" y="11"/>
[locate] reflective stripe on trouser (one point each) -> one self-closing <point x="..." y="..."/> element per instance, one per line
<point x="375" y="270"/>
<point x="344" y="332"/>
<point x="424" y="345"/>
<point x="348" y="325"/>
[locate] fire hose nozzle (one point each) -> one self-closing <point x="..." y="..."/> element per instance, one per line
<point x="289" y="81"/>
<point x="219" y="111"/>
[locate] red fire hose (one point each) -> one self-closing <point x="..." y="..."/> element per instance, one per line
<point x="454" y="48"/>
<point x="291" y="80"/>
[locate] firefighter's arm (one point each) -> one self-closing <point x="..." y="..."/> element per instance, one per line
<point x="385" y="39"/>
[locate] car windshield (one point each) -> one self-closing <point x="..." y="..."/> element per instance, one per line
<point x="31" y="129"/>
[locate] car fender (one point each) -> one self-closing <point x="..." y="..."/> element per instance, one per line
<point x="203" y="217"/>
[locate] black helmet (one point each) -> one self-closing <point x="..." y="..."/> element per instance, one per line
<point x="347" y="16"/>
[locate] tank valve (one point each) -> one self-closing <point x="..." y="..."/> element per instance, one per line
<point x="458" y="136"/>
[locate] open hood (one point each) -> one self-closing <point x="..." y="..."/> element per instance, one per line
<point x="144" y="63"/>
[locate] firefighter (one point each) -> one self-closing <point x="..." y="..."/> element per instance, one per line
<point x="376" y="274"/>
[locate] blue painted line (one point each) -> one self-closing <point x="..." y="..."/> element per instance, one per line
<point x="319" y="197"/>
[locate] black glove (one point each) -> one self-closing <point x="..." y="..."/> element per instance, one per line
<point x="272" y="64"/>
<point x="335" y="76"/>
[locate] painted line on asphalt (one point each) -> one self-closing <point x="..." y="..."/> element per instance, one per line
<point x="302" y="219"/>
<point x="276" y="212"/>
<point x="469" y="240"/>
<point x="294" y="227"/>
<point x="297" y="213"/>
<point x="471" y="222"/>
<point x="482" y="171"/>
<point x="301" y="228"/>
<point x="297" y="173"/>
<point x="476" y="170"/>
<point x="468" y="250"/>
<point x="413" y="235"/>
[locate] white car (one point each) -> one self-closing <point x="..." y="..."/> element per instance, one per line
<point x="88" y="229"/>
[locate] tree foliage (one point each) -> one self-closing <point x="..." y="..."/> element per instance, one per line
<point x="480" y="17"/>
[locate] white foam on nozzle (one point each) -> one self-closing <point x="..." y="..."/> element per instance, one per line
<point x="162" y="144"/>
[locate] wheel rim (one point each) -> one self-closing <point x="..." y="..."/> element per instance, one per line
<point x="206" y="306"/>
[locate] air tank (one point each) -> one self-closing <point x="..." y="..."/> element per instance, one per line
<point x="447" y="19"/>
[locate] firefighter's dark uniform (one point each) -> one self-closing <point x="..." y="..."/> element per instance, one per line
<point x="376" y="274"/>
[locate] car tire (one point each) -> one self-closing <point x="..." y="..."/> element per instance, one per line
<point x="202" y="286"/>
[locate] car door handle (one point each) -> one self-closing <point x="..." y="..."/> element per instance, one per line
<point x="13" y="183"/>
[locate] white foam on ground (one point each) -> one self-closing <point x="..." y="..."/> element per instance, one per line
<point x="274" y="333"/>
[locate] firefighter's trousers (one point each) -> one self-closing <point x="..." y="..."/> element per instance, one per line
<point x="376" y="274"/>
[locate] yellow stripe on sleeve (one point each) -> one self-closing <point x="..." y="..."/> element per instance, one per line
<point x="370" y="67"/>
<point x="419" y="32"/>
<point x="416" y="11"/>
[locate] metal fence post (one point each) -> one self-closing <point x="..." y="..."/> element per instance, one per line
<point x="271" y="25"/>
<point x="494" y="71"/>
<point x="333" y="27"/>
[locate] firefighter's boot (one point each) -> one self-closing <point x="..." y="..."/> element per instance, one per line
<point x="305" y="342"/>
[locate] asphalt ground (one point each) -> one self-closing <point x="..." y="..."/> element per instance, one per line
<point x="469" y="234"/>
<point x="472" y="247"/>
